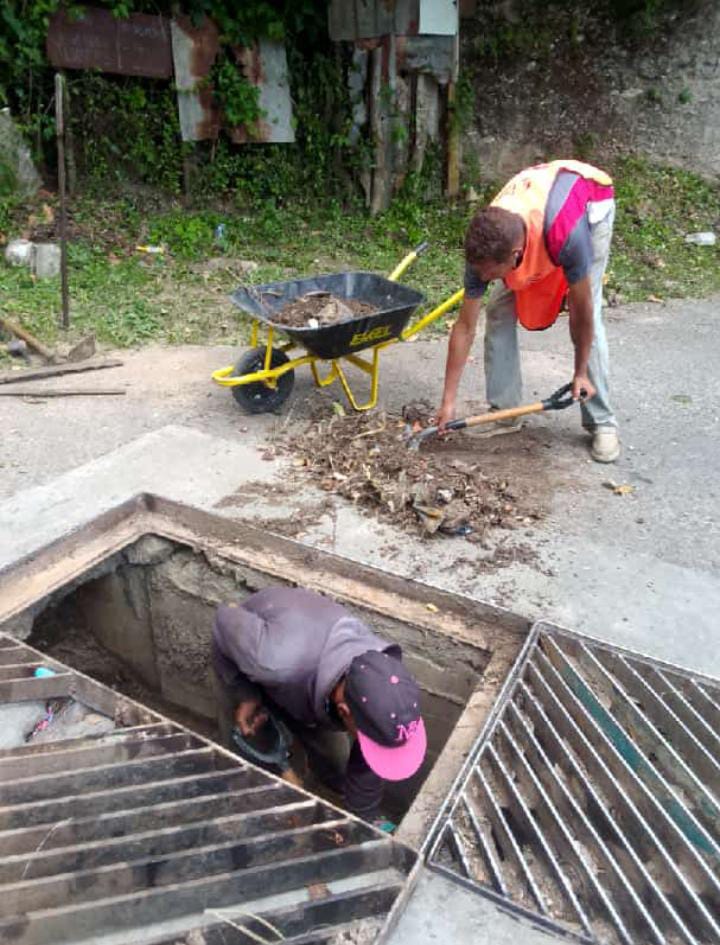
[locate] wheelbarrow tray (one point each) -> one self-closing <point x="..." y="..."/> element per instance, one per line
<point x="395" y="303"/>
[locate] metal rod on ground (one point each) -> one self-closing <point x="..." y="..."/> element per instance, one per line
<point x="66" y="392"/>
<point x="60" y="133"/>
<point x="17" y="377"/>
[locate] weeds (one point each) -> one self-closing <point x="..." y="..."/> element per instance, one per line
<point x="129" y="298"/>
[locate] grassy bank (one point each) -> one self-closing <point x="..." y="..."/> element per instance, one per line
<point x="128" y="297"/>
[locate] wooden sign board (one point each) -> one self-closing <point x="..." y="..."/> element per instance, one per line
<point x="136" y="45"/>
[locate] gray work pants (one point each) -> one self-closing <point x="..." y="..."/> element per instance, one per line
<point x="503" y="379"/>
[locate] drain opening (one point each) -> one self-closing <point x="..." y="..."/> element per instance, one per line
<point x="593" y="803"/>
<point x="144" y="629"/>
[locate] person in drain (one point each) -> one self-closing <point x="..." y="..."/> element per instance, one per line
<point x="295" y="659"/>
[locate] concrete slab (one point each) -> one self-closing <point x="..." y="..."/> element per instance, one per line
<point x="441" y="911"/>
<point x="176" y="462"/>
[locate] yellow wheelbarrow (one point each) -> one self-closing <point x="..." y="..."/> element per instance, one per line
<point x="263" y="378"/>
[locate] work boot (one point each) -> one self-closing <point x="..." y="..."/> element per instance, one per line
<point x="605" y="445"/>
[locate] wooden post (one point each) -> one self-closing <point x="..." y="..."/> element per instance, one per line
<point x="452" y="180"/>
<point x="69" y="140"/>
<point x="60" y="134"/>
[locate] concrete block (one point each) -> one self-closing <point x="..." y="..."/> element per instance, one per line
<point x="46" y="260"/>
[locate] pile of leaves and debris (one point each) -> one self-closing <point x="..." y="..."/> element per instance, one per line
<point x="366" y="460"/>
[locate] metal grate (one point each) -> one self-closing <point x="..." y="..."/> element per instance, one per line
<point x="591" y="801"/>
<point x="148" y="827"/>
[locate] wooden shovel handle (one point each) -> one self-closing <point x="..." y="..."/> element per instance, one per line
<point x="509" y="413"/>
<point x="25" y="335"/>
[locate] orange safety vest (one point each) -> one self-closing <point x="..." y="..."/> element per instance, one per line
<point x="539" y="285"/>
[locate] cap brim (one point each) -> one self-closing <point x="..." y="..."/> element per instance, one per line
<point x="396" y="763"/>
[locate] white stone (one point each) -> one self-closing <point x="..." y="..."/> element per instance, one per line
<point x="19" y="252"/>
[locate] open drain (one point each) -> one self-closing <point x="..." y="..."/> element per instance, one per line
<point x="590" y="802"/>
<point x="147" y="833"/>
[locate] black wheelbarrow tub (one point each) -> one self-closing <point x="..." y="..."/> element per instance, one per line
<point x="395" y="303"/>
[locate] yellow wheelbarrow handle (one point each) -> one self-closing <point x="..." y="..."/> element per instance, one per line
<point x="407" y="261"/>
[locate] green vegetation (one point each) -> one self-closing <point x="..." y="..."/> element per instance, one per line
<point x="129" y="297"/>
<point x="657" y="207"/>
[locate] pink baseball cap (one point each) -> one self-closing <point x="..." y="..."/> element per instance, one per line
<point x="385" y="703"/>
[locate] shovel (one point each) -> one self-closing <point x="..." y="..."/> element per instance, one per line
<point x="561" y="399"/>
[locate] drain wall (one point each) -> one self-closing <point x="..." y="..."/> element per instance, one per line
<point x="154" y="613"/>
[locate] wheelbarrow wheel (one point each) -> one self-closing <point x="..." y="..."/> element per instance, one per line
<point x="257" y="397"/>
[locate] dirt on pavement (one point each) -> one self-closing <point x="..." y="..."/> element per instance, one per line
<point x="435" y="490"/>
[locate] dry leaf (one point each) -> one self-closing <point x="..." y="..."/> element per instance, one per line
<point x="318" y="891"/>
<point x="655" y="298"/>
<point x="619" y="488"/>
<point x="433" y="608"/>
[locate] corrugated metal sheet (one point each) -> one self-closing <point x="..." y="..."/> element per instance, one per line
<point x="194" y="49"/>
<point x="265" y="65"/>
<point x="349" y="20"/>
<point x="433" y="55"/>
<point x="137" y="45"/>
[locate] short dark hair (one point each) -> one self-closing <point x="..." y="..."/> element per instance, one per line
<point x="491" y="234"/>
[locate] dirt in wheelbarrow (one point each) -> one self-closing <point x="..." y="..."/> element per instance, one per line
<point x="319" y="309"/>
<point x="439" y="490"/>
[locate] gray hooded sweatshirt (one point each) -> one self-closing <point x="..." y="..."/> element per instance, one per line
<point x="294" y="645"/>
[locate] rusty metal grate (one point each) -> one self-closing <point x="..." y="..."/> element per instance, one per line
<point x="150" y="833"/>
<point x="591" y="801"/>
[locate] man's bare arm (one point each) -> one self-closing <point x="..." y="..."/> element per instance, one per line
<point x="459" y="345"/>
<point x="582" y="332"/>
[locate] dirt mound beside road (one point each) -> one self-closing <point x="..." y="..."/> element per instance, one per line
<point x="364" y="458"/>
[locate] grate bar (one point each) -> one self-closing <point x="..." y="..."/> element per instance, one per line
<point x="645" y="798"/>
<point x="159" y="842"/>
<point x="488" y="855"/>
<point x="557" y="798"/>
<point x="664" y="718"/>
<point x="116" y="752"/>
<point x="510" y="846"/>
<point x="46" y="748"/>
<point x="696" y="722"/>
<point x="71" y="832"/>
<point x="347" y="907"/>
<point x="75" y="922"/>
<point x="561" y="756"/>
<point x="458" y="849"/>
<point x="540" y="844"/>
<point x="134" y="875"/>
<point x="668" y="764"/>
<point x="621" y="804"/>
<point x="53" y="786"/>
<point x="124" y="798"/>
<point x="695" y="839"/>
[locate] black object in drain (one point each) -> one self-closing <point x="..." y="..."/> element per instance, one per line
<point x="269" y="748"/>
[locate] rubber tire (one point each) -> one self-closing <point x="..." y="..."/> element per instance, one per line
<point x="257" y="398"/>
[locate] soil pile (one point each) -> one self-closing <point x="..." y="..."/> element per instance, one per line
<point x="365" y="459"/>
<point x="318" y="309"/>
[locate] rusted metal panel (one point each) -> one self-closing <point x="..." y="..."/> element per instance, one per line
<point x="265" y="65"/>
<point x="194" y="49"/>
<point x="350" y="20"/>
<point x="137" y="45"/>
<point x="433" y="55"/>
